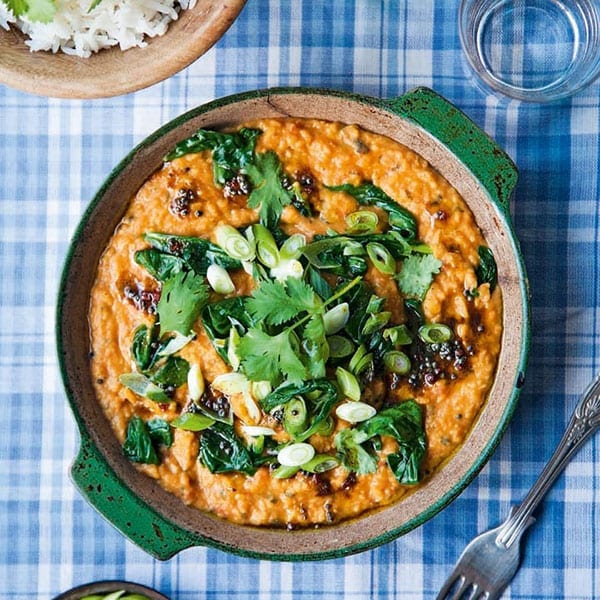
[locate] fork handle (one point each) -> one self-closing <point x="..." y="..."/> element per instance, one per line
<point x="583" y="423"/>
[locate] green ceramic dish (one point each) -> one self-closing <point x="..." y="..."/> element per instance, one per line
<point x="159" y="522"/>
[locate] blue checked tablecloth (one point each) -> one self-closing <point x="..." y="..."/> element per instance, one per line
<point x="54" y="154"/>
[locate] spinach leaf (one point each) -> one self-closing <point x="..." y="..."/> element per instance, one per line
<point x="219" y="317"/>
<point x="367" y="194"/>
<point x="319" y="406"/>
<point x="172" y="253"/>
<point x="182" y="298"/>
<point x="160" y="431"/>
<point x="173" y="372"/>
<point x="404" y="423"/>
<point x="143" y="347"/>
<point x="230" y="151"/>
<point x="331" y="254"/>
<point x="222" y="451"/>
<point x="142" y="439"/>
<point x="353" y="452"/>
<point x="487" y="271"/>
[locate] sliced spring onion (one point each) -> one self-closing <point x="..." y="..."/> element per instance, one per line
<point x="142" y="386"/>
<point x="375" y="304"/>
<point x="397" y="362"/>
<point x="375" y="322"/>
<point x="195" y="382"/>
<point x="234" y="243"/>
<point x="283" y="472"/>
<point x="231" y="383"/>
<point x="355" y="412"/>
<point x="176" y="343"/>
<point x="232" y="346"/>
<point x="219" y="279"/>
<point x="398" y="335"/>
<point x="381" y="258"/>
<point x="295" y="455"/>
<point x="348" y="384"/>
<point x="192" y="422"/>
<point x="266" y="247"/>
<point x="362" y="221"/>
<point x="260" y="389"/>
<point x="321" y="463"/>
<point x="353" y="248"/>
<point x="287" y="268"/>
<point x="292" y="247"/>
<point x="360" y="360"/>
<point x="335" y="319"/>
<point x="256" y="430"/>
<point x="325" y="427"/>
<point x="339" y="346"/>
<point x="435" y="333"/>
<point x="295" y="416"/>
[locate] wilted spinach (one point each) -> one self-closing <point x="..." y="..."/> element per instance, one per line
<point x="403" y="422"/>
<point x="143" y="438"/>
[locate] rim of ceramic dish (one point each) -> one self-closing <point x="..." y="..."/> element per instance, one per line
<point x="108" y="586"/>
<point x="418" y="119"/>
<point x="112" y="71"/>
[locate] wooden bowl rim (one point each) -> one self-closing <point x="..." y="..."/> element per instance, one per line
<point x="112" y="72"/>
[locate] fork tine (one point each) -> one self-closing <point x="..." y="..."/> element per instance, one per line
<point x="450" y="584"/>
<point x="457" y="587"/>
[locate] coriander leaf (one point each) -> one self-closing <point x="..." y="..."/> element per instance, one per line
<point x="268" y="194"/>
<point x="272" y="358"/>
<point x="221" y="451"/>
<point x="138" y="446"/>
<point x="416" y="274"/>
<point x="275" y="303"/>
<point x="182" y="298"/>
<point x="17" y="7"/>
<point x="93" y="5"/>
<point x="143" y="386"/>
<point x="42" y="11"/>
<point x="487" y="271"/>
<point x="351" y="452"/>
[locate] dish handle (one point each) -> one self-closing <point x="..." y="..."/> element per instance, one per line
<point x="490" y="165"/>
<point x="102" y="488"/>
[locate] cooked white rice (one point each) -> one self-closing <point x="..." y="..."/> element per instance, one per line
<point x="77" y="30"/>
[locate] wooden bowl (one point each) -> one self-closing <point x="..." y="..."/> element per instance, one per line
<point x="158" y="521"/>
<point x="111" y="71"/>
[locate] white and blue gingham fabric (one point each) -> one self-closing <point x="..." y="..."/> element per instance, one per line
<point x="54" y="154"/>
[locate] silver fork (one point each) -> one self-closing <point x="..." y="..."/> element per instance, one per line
<point x="489" y="562"/>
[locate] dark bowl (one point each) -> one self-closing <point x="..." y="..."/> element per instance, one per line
<point x="158" y="521"/>
<point x="106" y="587"/>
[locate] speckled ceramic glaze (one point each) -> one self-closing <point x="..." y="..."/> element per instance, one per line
<point x="157" y="521"/>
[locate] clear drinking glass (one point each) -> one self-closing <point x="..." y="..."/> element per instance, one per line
<point x="532" y="50"/>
